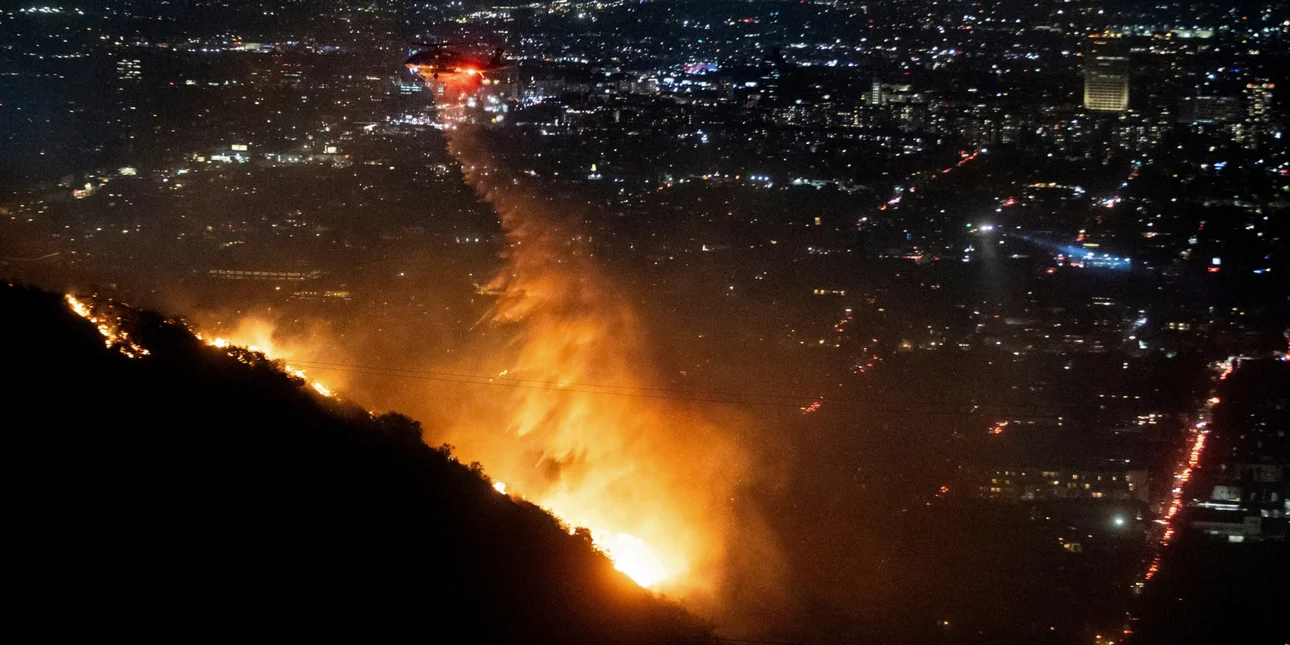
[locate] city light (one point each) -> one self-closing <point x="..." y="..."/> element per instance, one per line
<point x="728" y="296"/>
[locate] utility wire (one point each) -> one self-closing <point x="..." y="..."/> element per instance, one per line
<point x="674" y="394"/>
<point x="525" y="386"/>
<point x="560" y="384"/>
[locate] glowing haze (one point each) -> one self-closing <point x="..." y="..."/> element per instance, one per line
<point x="652" y="479"/>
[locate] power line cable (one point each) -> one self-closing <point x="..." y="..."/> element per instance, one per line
<point x="674" y="394"/>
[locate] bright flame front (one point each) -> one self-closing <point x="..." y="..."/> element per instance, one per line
<point x="632" y="556"/>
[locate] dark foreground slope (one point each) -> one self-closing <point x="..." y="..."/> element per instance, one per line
<point x="186" y="494"/>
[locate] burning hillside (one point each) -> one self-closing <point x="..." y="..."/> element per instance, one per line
<point x="233" y="497"/>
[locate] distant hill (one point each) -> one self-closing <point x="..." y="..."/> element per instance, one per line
<point x="186" y="494"/>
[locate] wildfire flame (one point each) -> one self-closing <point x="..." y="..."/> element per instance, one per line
<point x="258" y="336"/>
<point x="632" y="556"/>
<point x="651" y="480"/>
<point x="109" y="327"/>
<point x="629" y="553"/>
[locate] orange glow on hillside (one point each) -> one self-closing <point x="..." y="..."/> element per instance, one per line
<point x="653" y="480"/>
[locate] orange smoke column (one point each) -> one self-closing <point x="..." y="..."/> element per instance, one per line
<point x="651" y="478"/>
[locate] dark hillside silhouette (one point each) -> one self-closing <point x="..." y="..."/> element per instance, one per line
<point x="189" y="495"/>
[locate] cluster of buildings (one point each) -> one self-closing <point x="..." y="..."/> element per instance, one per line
<point x="1248" y="504"/>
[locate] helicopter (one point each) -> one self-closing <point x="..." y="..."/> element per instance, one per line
<point x="435" y="61"/>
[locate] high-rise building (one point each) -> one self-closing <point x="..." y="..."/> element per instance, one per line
<point x="1258" y="105"/>
<point x="1259" y="100"/>
<point x="1106" y="75"/>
